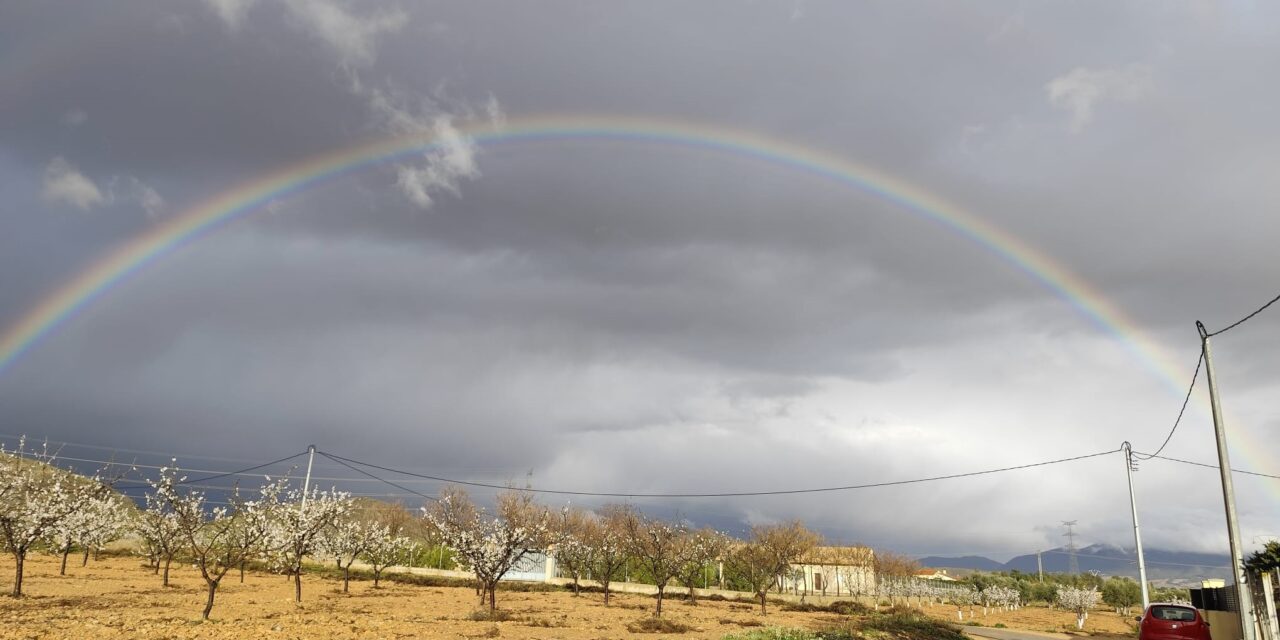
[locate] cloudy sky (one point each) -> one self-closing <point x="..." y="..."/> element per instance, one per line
<point x="624" y="315"/>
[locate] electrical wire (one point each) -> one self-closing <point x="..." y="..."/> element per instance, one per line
<point x="245" y="470"/>
<point x="402" y="488"/>
<point x="1213" y="466"/>
<point x="1185" y="400"/>
<point x="872" y="485"/>
<point x="1244" y="319"/>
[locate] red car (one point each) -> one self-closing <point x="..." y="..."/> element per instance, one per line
<point x="1172" y="622"/>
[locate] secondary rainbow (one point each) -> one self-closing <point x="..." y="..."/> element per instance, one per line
<point x="244" y="199"/>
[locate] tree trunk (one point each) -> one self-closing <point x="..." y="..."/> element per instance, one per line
<point x="377" y="575"/>
<point x="65" y="552"/>
<point x="19" y="556"/>
<point x="208" y="603"/>
<point x="155" y="566"/>
<point x="297" y="584"/>
<point x="658" y="611"/>
<point x="242" y="572"/>
<point x="84" y="562"/>
<point x="493" y="596"/>
<point x="167" y="561"/>
<point x="575" y="587"/>
<point x="346" y="577"/>
<point x="606" y="594"/>
<point x="764" y="597"/>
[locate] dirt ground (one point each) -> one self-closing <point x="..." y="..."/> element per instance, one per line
<point x="1100" y="622"/>
<point x="120" y="598"/>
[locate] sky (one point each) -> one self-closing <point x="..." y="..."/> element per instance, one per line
<point x="623" y="314"/>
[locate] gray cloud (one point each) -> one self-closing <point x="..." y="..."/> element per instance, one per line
<point x="634" y="316"/>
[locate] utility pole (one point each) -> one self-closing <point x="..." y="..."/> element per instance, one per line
<point x="1129" y="468"/>
<point x="1039" y="566"/>
<point x="306" y="484"/>
<point x="1243" y="594"/>
<point x="1073" y="564"/>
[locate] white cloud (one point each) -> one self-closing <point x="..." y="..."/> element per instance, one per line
<point x="134" y="190"/>
<point x="63" y="184"/>
<point x="1080" y="90"/>
<point x="452" y="158"/>
<point x="453" y="155"/>
<point x="232" y="12"/>
<point x="351" y="36"/>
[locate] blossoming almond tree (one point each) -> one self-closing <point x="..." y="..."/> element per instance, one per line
<point x="1079" y="601"/>
<point x="386" y="550"/>
<point x="213" y="535"/>
<point x="660" y="547"/>
<point x="159" y="529"/>
<point x="702" y="548"/>
<point x="347" y="540"/>
<point x="609" y="548"/>
<point x="490" y="546"/>
<point x="35" y="498"/>
<point x="300" y="522"/>
<point x="99" y="520"/>
<point x="769" y="553"/>
<point x="574" y="553"/>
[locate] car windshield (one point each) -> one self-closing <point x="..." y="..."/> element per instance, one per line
<point x="1173" y="613"/>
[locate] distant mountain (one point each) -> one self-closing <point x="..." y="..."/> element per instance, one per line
<point x="1115" y="561"/>
<point x="1105" y="559"/>
<point x="965" y="562"/>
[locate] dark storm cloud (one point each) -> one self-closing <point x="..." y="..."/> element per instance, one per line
<point x="640" y="317"/>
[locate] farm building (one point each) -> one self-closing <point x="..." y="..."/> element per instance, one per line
<point x="833" y="571"/>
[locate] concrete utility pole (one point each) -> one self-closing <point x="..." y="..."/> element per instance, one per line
<point x="1129" y="468"/>
<point x="1243" y="593"/>
<point x="1039" y="567"/>
<point x="306" y="484"/>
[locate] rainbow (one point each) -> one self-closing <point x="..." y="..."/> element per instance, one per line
<point x="244" y="199"/>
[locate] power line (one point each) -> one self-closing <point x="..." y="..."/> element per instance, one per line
<point x="83" y="445"/>
<point x="246" y="470"/>
<point x="872" y="485"/>
<point x="1246" y="318"/>
<point x="402" y="488"/>
<point x="1185" y="400"/>
<point x="1214" y="466"/>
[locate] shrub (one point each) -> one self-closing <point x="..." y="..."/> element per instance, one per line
<point x="775" y="633"/>
<point x="841" y="607"/>
<point x="914" y="626"/>
<point x="657" y="625"/>
<point x="489" y="615"/>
